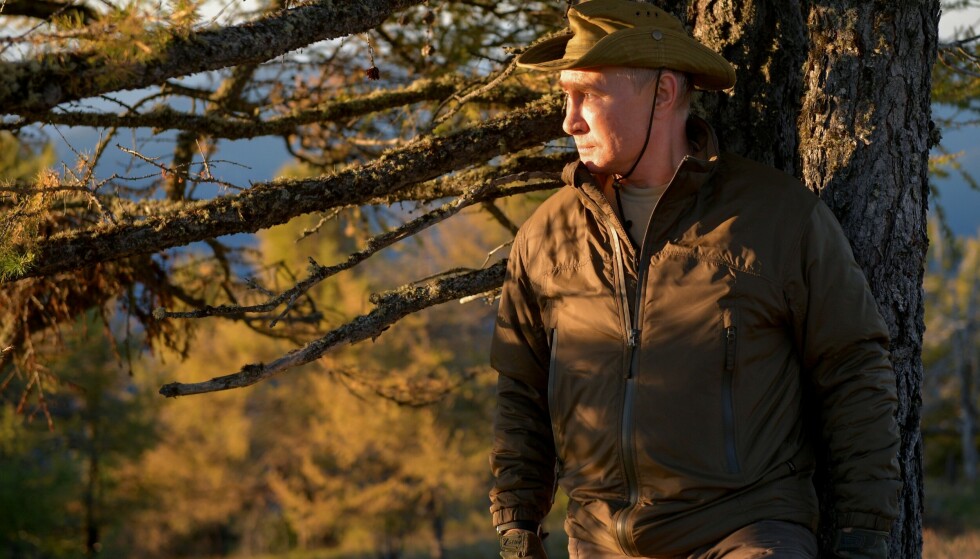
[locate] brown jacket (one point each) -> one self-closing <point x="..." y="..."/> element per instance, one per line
<point x="671" y="381"/>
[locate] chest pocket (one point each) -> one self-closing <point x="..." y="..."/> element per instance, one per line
<point x="576" y="281"/>
<point x="689" y="361"/>
<point x="714" y="344"/>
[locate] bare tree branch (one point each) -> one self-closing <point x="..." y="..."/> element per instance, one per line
<point x="221" y="125"/>
<point x="456" y="184"/>
<point x="318" y="273"/>
<point x="268" y="204"/>
<point x="500" y="216"/>
<point x="37" y="85"/>
<point x="443" y="187"/>
<point x="228" y="93"/>
<point x="390" y="307"/>
<point x="46" y="9"/>
<point x="462" y="100"/>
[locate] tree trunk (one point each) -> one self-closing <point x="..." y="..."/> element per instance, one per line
<point x="974" y="359"/>
<point x="434" y="510"/>
<point x="92" y="544"/>
<point x="837" y="92"/>
<point x="766" y="41"/>
<point x="438" y="537"/>
<point x="963" y="364"/>
<point x="865" y="133"/>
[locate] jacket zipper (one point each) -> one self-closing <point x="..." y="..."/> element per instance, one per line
<point x="632" y="336"/>
<point x="552" y="381"/>
<point x="632" y="341"/>
<point x="728" y="400"/>
<point x="629" y="396"/>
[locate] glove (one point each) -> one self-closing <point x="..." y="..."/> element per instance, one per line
<point x="860" y="543"/>
<point x="518" y="544"/>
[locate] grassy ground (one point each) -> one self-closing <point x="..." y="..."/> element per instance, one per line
<point x="940" y="544"/>
<point x="952" y="521"/>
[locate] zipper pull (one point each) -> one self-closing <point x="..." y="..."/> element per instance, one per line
<point x="634" y="338"/>
<point x="632" y="342"/>
<point x="730" y="348"/>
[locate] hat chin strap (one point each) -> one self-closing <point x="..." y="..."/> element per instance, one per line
<point x="653" y="109"/>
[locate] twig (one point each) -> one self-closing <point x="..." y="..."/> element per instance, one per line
<point x="323" y="220"/>
<point x="500" y="216"/>
<point x="959" y="42"/>
<point x="495" y="251"/>
<point x="390" y="308"/>
<point x="489" y="296"/>
<point x="461" y="101"/>
<point x="319" y="273"/>
<point x="414" y="395"/>
<point x="21" y="37"/>
<point x="168" y="170"/>
<point x="207" y="169"/>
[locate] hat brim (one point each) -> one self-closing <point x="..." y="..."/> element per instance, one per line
<point x="637" y="48"/>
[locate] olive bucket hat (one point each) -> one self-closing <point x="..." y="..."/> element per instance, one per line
<point x="635" y="34"/>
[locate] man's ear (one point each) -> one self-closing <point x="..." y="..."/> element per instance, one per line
<point x="668" y="95"/>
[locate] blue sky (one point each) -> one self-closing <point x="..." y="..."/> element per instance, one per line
<point x="960" y="203"/>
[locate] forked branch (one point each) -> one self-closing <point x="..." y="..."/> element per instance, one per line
<point x="390" y="308"/>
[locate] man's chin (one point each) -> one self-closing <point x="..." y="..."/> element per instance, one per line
<point x="596" y="168"/>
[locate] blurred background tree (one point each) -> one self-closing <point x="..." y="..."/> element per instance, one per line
<point x="952" y="357"/>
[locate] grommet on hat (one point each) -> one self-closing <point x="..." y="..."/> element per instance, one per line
<point x="618" y="33"/>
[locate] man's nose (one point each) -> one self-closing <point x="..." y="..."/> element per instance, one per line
<point x="573" y="124"/>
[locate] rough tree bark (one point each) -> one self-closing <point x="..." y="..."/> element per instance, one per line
<point x="865" y="133"/>
<point x="837" y="92"/>
<point x="766" y="41"/>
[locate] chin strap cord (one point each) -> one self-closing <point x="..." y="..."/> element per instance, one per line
<point x="653" y="109"/>
<point x="617" y="182"/>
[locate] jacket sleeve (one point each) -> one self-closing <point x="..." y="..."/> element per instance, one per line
<point x="522" y="457"/>
<point x="843" y="344"/>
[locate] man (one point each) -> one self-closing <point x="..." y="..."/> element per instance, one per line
<point x="664" y="315"/>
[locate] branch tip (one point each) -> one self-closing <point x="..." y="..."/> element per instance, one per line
<point x="171" y="390"/>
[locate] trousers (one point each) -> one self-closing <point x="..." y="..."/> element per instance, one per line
<point x="773" y="539"/>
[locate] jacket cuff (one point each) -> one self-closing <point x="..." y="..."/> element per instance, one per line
<point x="515" y="514"/>
<point x="864" y="520"/>
<point x="525" y="525"/>
<point x="858" y="543"/>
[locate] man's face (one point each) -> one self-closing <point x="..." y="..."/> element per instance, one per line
<point x="606" y="116"/>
